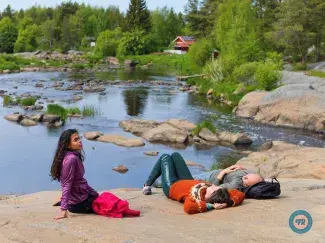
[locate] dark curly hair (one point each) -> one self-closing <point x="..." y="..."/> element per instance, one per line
<point x="61" y="151"/>
<point x="220" y="196"/>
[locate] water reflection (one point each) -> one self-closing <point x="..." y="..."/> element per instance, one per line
<point x="135" y="100"/>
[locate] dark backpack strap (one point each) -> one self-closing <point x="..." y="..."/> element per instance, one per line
<point x="275" y="180"/>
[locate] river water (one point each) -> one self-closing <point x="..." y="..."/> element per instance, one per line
<point x="26" y="153"/>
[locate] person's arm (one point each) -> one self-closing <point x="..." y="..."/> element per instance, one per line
<point x="236" y="196"/>
<point x="191" y="206"/>
<point x="226" y="171"/>
<point x="92" y="192"/>
<point x="66" y="180"/>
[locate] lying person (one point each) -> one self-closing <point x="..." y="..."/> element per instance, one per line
<point x="178" y="184"/>
<point x="233" y="177"/>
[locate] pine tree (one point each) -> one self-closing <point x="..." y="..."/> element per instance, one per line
<point x="137" y="16"/>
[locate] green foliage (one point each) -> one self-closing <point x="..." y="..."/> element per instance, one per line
<point x="108" y="42"/>
<point x="166" y="25"/>
<point x="135" y="43"/>
<point x="8" y="100"/>
<point x="27" y="39"/>
<point x="205" y="124"/>
<point x="316" y="73"/>
<point x="89" y="110"/>
<point x="73" y="111"/>
<point x="215" y="71"/>
<point x="29" y="101"/>
<point x="137" y="17"/>
<point x="245" y="73"/>
<point x="200" y="52"/>
<point x="179" y="63"/>
<point x="79" y="66"/>
<point x="237" y="33"/>
<point x="8" y="35"/>
<point x="58" y="110"/>
<point x="267" y="75"/>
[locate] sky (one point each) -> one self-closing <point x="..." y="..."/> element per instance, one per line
<point x="178" y="5"/>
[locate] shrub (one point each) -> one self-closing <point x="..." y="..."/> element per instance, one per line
<point x="245" y="73"/>
<point x="205" y="124"/>
<point x="28" y="101"/>
<point x="267" y="75"/>
<point x="200" y="52"/>
<point x="214" y="71"/>
<point x="58" y="110"/>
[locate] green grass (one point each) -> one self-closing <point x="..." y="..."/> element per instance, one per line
<point x="29" y="101"/>
<point x="73" y="111"/>
<point x="79" y="66"/>
<point x="179" y="63"/>
<point x="58" y="110"/>
<point x="8" y="100"/>
<point x="89" y="110"/>
<point x="316" y="73"/>
<point x="205" y="124"/>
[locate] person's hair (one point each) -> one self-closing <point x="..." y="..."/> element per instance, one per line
<point x="220" y="196"/>
<point x="61" y="151"/>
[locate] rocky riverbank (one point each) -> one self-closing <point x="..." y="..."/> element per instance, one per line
<point x="299" y="103"/>
<point x="29" y="219"/>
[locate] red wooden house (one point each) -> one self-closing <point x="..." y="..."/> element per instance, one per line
<point x="183" y="43"/>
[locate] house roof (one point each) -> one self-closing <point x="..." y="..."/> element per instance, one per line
<point x="186" y="41"/>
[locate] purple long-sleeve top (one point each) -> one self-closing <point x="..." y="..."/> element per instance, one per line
<point x="75" y="188"/>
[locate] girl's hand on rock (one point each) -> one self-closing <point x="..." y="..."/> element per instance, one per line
<point x="64" y="214"/>
<point x="219" y="205"/>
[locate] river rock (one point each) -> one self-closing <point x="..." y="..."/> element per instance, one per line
<point x="299" y="103"/>
<point x="165" y="133"/>
<point x="151" y="153"/>
<point x="14" y="117"/>
<point x="37" y="117"/>
<point x="121" y="141"/>
<point x="182" y="124"/>
<point x="39" y="85"/>
<point x="130" y="64"/>
<point x="121" y="169"/>
<point x="207" y="135"/>
<point x="27" y="122"/>
<point x="249" y="104"/>
<point x="6" y="71"/>
<point x="210" y="91"/>
<point x="51" y="118"/>
<point x="92" y="135"/>
<point x="266" y="146"/>
<point x="89" y="89"/>
<point x="234" y="138"/>
<point x="138" y="126"/>
<point x="286" y="160"/>
<point x="191" y="163"/>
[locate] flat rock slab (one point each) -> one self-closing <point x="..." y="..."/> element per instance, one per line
<point x="151" y="153"/>
<point x="29" y="219"/>
<point x="284" y="160"/>
<point x="92" y="135"/>
<point x="121" y="141"/>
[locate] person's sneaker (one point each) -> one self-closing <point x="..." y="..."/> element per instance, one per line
<point x="146" y="190"/>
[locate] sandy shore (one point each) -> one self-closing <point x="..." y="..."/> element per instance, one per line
<point x="28" y="218"/>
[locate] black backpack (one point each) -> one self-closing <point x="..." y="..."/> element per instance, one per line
<point x="263" y="190"/>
